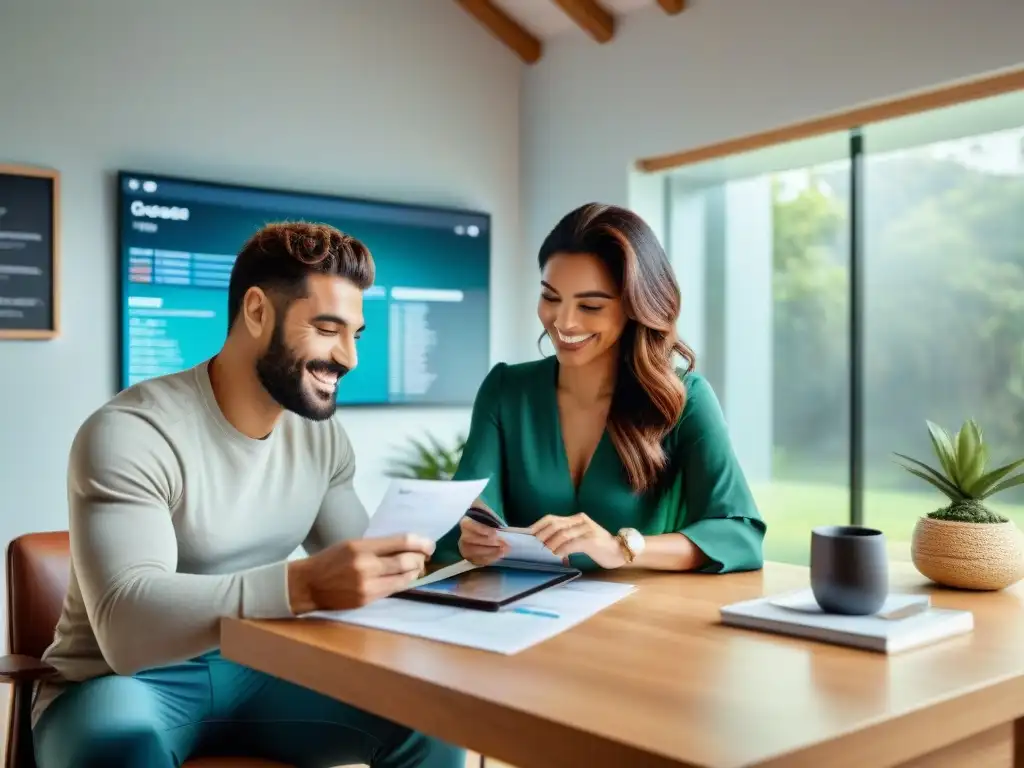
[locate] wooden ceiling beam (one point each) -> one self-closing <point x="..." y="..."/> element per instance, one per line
<point x="591" y="17"/>
<point x="504" y="28"/>
<point x="672" y="7"/>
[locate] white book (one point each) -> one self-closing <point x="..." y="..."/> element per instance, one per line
<point x="905" y="621"/>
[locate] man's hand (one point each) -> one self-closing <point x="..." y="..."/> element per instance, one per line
<point x="354" y="573"/>
<point x="579" y="534"/>
<point x="479" y="543"/>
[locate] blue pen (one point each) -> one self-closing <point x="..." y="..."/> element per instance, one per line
<point x="537" y="612"/>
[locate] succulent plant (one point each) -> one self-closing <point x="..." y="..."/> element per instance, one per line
<point x="963" y="474"/>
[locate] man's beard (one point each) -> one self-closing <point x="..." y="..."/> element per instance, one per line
<point x="280" y="372"/>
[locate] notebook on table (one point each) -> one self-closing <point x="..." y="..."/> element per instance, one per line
<point x="906" y="621"/>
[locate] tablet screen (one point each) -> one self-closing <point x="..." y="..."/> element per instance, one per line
<point x="493" y="584"/>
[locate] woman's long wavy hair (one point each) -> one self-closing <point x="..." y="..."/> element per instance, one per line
<point x="649" y="396"/>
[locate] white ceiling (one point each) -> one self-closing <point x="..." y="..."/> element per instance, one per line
<point x="545" y="19"/>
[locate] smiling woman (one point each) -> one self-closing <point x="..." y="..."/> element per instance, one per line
<point x="611" y="453"/>
<point x="609" y="303"/>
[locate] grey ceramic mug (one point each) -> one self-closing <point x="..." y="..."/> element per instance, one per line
<point x="849" y="569"/>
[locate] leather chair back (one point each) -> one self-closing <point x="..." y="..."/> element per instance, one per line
<point x="38" y="570"/>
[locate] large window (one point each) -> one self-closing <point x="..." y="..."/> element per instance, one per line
<point x="943" y="298"/>
<point x="822" y="377"/>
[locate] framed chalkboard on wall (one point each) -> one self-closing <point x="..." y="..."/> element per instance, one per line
<point x="29" y="253"/>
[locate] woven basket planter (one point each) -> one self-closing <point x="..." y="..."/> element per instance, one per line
<point x="982" y="556"/>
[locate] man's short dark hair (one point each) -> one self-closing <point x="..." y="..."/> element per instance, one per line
<point x="279" y="258"/>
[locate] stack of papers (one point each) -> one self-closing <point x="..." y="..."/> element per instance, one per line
<point x="523" y="624"/>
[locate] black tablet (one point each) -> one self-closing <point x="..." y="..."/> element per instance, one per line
<point x="489" y="588"/>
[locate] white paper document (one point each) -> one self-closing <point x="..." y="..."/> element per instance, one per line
<point x="513" y="629"/>
<point x="429" y="508"/>
<point x="525" y="547"/>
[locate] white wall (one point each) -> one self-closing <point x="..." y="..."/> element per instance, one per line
<point x="377" y="98"/>
<point x="405" y="100"/>
<point x="727" y="68"/>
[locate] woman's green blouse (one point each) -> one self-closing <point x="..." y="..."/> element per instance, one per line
<point x="515" y="440"/>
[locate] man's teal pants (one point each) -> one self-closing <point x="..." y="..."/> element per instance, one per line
<point x="211" y="706"/>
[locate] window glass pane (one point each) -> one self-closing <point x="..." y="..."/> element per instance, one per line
<point x="944" y="298"/>
<point x="760" y="242"/>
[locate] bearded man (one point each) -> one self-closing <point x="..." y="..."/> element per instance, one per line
<point x="188" y="493"/>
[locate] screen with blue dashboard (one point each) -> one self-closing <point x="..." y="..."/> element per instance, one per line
<point x="427" y="337"/>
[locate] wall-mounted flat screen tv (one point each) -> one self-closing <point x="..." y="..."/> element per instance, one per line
<point x="427" y="315"/>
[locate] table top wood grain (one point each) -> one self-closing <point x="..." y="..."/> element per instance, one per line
<point x="656" y="680"/>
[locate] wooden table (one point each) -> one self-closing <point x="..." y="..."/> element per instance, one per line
<point x="656" y="681"/>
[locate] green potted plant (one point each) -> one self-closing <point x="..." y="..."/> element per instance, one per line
<point x="965" y="544"/>
<point x="428" y="459"/>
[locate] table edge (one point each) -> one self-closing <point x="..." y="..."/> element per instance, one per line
<point x="963" y="715"/>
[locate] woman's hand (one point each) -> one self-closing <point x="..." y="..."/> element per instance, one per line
<point x="479" y="543"/>
<point x="579" y="534"/>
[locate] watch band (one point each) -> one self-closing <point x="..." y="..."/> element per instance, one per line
<point x="627" y="550"/>
<point x="632" y="542"/>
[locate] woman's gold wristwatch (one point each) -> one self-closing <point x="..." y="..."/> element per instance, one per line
<point x="632" y="543"/>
